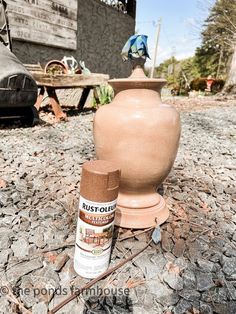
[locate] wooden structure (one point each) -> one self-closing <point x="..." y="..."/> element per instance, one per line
<point x="48" y="22"/>
<point x="50" y="83"/>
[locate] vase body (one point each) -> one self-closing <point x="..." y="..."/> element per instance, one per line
<point x="141" y="135"/>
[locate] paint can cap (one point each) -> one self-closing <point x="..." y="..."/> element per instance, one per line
<point x="100" y="181"/>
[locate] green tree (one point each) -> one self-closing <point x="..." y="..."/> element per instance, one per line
<point x="168" y="70"/>
<point x="188" y="70"/>
<point x="178" y="73"/>
<point x="218" y="40"/>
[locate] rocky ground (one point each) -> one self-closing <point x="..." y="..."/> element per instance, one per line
<point x="192" y="270"/>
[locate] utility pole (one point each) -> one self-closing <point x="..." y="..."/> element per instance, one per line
<point x="156" y="47"/>
<point x="173" y="62"/>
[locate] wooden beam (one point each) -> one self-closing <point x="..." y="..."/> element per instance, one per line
<point x="69" y="81"/>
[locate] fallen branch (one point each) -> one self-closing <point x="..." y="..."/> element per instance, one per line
<point x="134" y="234"/>
<point x="95" y="280"/>
<point x="55" y="247"/>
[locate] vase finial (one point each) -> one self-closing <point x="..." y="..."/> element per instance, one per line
<point x="136" y="51"/>
<point x="135" y="48"/>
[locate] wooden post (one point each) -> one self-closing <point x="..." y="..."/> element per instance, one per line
<point x="60" y="115"/>
<point x="156" y="47"/>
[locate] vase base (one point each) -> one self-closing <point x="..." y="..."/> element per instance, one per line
<point x="140" y="218"/>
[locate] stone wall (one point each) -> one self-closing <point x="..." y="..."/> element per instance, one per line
<point x="102" y="32"/>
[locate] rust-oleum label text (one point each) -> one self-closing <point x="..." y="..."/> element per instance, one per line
<point x="98" y="209"/>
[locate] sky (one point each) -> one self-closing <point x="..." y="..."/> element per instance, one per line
<point x="181" y="22"/>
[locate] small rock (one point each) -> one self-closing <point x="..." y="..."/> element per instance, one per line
<point x="60" y="261"/>
<point x="189" y="279"/>
<point x="27" y="293"/>
<point x="68" y="272"/>
<point x="133" y="296"/>
<point x="72" y="307"/>
<point x="182" y="263"/>
<point x="195" y="250"/>
<point x="219" y="295"/>
<point x="205" y="308"/>
<point x="230" y="190"/>
<point x="15" y="197"/>
<point x="173" y="280"/>
<point x="4" y="254"/>
<point x="9" y="211"/>
<point x="38" y="237"/>
<point x="4" y="306"/>
<point x="168" y="300"/>
<point x="150" y="269"/>
<point x="177" y="233"/>
<point x="46" y="273"/>
<point x="182" y="307"/>
<point x="3" y="199"/>
<point x="234" y="237"/>
<point x="159" y="289"/>
<point x="138" y="309"/>
<point x="231" y="290"/>
<point x="206" y="266"/>
<point x="50" y="212"/>
<point x="179" y="248"/>
<point x="229" y="265"/>
<point x="215" y="256"/>
<point x="178" y="196"/>
<point x="166" y="242"/>
<point x="20" y="248"/>
<point x="5" y="241"/>
<point x="15" y="273"/>
<point x="190" y="295"/>
<point x="204" y="281"/>
<point x="39" y="308"/>
<point x="159" y="261"/>
<point x="222" y="309"/>
<point x="148" y="301"/>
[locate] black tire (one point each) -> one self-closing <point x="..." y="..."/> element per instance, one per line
<point x="30" y="116"/>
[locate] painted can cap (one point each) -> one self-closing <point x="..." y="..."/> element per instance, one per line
<point x="100" y="181"/>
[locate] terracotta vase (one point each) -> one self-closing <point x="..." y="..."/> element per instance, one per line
<point x="141" y="135"/>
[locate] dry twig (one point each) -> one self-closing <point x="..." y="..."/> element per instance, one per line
<point x="95" y="280"/>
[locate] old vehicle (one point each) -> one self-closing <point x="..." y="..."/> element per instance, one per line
<point x="18" y="90"/>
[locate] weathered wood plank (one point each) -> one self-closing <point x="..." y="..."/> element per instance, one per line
<point x="34" y="67"/>
<point x="48" y="22"/>
<point x="63" y="7"/>
<point x="45" y="13"/>
<point x="69" y="81"/>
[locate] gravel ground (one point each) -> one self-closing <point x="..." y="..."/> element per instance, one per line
<point x="192" y="270"/>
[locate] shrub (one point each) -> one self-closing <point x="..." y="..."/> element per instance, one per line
<point x="104" y="95"/>
<point x="199" y="83"/>
<point x="217" y="86"/>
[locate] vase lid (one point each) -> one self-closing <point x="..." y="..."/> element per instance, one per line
<point x="137" y="80"/>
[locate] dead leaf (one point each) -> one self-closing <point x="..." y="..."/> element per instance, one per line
<point x="3" y="184"/>
<point x="205" y="207"/>
<point x="172" y="268"/>
<point x="51" y="257"/>
<point x="131" y="283"/>
<point x="182" y="213"/>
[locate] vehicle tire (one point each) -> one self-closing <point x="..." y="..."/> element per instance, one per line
<point x="30" y="116"/>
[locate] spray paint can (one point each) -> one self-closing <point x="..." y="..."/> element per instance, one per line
<point x="98" y="195"/>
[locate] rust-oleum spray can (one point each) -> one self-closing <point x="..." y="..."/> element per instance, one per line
<point x="98" y="195"/>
